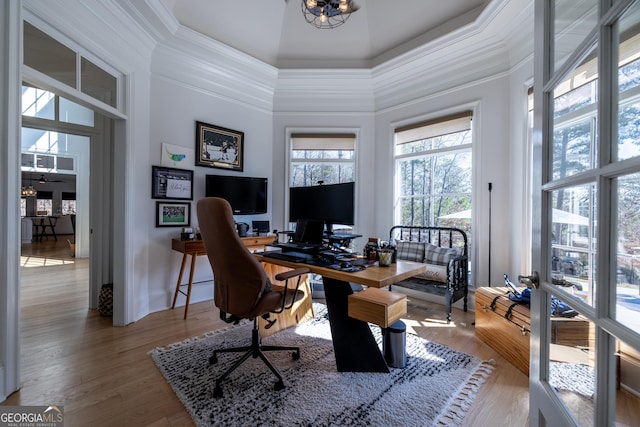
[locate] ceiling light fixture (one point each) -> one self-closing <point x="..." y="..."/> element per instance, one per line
<point x="327" y="14"/>
<point x="42" y="179"/>
<point x="29" y="191"/>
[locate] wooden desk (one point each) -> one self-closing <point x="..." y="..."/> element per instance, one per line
<point x="354" y="346"/>
<point x="195" y="248"/>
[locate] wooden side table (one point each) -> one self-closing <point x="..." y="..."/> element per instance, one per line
<point x="195" y="248"/>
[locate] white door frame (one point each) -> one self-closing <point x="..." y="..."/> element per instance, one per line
<point x="10" y="58"/>
<point x="546" y="408"/>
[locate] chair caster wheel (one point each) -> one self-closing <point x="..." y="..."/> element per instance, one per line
<point x="213" y="360"/>
<point x="217" y="392"/>
<point x="295" y="355"/>
<point x="279" y="386"/>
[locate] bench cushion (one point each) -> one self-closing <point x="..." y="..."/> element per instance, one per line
<point x="410" y="251"/>
<point x="439" y="256"/>
<point x="435" y="272"/>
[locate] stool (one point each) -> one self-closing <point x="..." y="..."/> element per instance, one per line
<point x="377" y="306"/>
<point x="394" y="343"/>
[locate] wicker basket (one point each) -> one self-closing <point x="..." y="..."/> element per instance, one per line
<point x="105" y="300"/>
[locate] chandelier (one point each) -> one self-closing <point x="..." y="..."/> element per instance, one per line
<point x="29" y="191"/>
<point x="327" y="14"/>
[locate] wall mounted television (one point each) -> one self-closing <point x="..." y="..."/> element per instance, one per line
<point x="331" y="203"/>
<point x="246" y="195"/>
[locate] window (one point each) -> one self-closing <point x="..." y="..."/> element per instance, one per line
<point x="44" y="203"/>
<point x="433" y="173"/>
<point x="52" y="58"/>
<point x="326" y="159"/>
<point x="575" y="151"/>
<point x="68" y="203"/>
<point x="43" y="104"/>
<point x="322" y="159"/>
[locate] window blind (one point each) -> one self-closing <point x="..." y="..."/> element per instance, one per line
<point x="308" y="141"/>
<point x="433" y="128"/>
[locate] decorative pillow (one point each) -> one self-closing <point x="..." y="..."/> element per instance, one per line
<point x="436" y="273"/>
<point x="410" y="251"/>
<point x="436" y="255"/>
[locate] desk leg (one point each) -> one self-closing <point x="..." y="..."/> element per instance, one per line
<point x="34" y="228"/>
<point x="52" y="225"/>
<point x="175" y="295"/>
<point x="355" y="347"/>
<point x="193" y="267"/>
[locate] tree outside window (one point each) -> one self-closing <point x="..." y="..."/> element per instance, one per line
<point x="433" y="173"/>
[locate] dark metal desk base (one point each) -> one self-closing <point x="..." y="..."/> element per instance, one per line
<point x="355" y="347"/>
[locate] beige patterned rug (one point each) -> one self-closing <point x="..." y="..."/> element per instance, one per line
<point x="436" y="388"/>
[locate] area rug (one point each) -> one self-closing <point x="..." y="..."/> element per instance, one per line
<point x="573" y="377"/>
<point x="436" y="387"/>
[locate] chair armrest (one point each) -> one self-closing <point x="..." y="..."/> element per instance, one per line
<point x="286" y="275"/>
<point x="290" y="295"/>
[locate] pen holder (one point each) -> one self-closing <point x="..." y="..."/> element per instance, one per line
<point x="385" y="257"/>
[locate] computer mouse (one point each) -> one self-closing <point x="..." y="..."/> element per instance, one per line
<point x="345" y="264"/>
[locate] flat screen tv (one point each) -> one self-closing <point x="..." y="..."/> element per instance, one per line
<point x="246" y="195"/>
<point x="331" y="203"/>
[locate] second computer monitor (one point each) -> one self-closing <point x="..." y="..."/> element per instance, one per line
<point x="331" y="203"/>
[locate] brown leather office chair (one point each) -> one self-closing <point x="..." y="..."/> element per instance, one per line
<point x="241" y="288"/>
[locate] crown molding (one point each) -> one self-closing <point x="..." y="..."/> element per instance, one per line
<point x="201" y="63"/>
<point x="145" y="34"/>
<point x="471" y="53"/>
<point x="116" y="38"/>
<point x="153" y="17"/>
<point x="324" y="90"/>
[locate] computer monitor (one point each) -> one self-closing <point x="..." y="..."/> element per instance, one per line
<point x="246" y="195"/>
<point x="331" y="203"/>
<point x="308" y="231"/>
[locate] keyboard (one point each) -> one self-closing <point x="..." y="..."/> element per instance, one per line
<point x="299" y="246"/>
<point x="288" y="256"/>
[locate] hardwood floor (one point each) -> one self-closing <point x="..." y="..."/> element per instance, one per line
<point x="103" y="376"/>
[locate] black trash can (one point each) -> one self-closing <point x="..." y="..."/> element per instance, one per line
<point x="394" y="342"/>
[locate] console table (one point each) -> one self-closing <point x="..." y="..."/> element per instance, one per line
<point x="195" y="248"/>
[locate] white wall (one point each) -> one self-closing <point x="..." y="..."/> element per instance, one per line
<point x="174" y="111"/>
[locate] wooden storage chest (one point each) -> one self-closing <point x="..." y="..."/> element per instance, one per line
<point x="510" y="335"/>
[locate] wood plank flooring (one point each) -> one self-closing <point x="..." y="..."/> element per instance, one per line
<point x="103" y="376"/>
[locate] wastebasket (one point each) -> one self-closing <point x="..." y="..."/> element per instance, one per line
<point x="394" y="340"/>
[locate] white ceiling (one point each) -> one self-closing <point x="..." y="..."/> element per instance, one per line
<point x="276" y="32"/>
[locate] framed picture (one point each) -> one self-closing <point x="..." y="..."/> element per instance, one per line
<point x="173" y="214"/>
<point x="218" y="147"/>
<point x="177" y="156"/>
<point x="171" y="183"/>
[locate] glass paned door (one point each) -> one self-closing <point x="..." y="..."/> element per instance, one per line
<point x="585" y="332"/>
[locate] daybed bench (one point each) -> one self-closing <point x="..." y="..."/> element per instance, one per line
<point x="445" y="251"/>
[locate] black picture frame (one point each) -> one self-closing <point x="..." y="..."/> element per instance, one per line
<point x="218" y="147"/>
<point x="173" y="214"/>
<point x="171" y="183"/>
